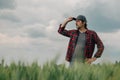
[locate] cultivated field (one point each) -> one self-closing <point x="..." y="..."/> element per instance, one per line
<point x="51" y="71"/>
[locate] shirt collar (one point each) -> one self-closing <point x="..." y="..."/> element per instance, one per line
<point x="85" y="32"/>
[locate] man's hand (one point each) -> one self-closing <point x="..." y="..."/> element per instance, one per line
<point x="69" y="19"/>
<point x="90" y="60"/>
<point x="66" y="21"/>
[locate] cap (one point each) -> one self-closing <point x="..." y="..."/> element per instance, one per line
<point x="81" y="17"/>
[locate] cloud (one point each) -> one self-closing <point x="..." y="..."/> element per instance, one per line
<point x="16" y="40"/>
<point x="34" y="31"/>
<point x="9" y="15"/>
<point x="111" y="39"/>
<point x="7" y="4"/>
<point x="101" y="15"/>
<point x="41" y="30"/>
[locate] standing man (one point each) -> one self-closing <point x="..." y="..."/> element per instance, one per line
<point x="82" y="41"/>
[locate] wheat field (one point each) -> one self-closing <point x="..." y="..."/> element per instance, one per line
<point x="51" y="71"/>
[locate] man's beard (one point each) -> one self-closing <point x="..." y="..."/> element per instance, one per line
<point x="77" y="26"/>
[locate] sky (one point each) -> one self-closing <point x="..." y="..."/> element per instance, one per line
<point x="28" y="28"/>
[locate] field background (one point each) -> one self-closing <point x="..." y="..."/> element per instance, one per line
<point x="51" y="71"/>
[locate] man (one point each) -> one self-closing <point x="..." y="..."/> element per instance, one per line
<point x="82" y="41"/>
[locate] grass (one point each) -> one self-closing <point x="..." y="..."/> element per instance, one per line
<point x="51" y="71"/>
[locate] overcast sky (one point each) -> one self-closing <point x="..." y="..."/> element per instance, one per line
<point x="28" y="28"/>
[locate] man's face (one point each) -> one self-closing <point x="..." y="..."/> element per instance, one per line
<point x="79" y="24"/>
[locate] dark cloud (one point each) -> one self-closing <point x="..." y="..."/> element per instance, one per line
<point x="9" y="4"/>
<point x="100" y="21"/>
<point x="103" y="24"/>
<point x="101" y="16"/>
<point x="35" y="33"/>
<point x="10" y="17"/>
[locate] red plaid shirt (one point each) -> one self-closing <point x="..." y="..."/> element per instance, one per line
<point x="91" y="39"/>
